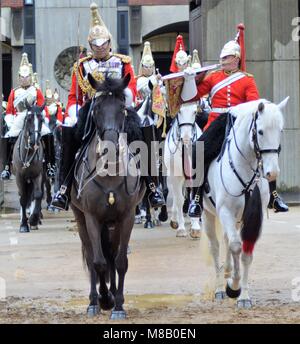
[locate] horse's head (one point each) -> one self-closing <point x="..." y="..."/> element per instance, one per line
<point x="267" y="126"/>
<point x="33" y="124"/>
<point x="109" y="108"/>
<point x="186" y="118"/>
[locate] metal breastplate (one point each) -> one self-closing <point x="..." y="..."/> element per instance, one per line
<point x="99" y="69"/>
<point x="21" y="95"/>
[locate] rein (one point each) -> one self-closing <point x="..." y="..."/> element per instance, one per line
<point x="92" y="173"/>
<point x="176" y="139"/>
<point x="28" y="160"/>
<point x="258" y="153"/>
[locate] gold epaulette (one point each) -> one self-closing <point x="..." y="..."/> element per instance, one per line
<point x="83" y="83"/>
<point x="124" y="58"/>
<point x="248" y="74"/>
<point x="215" y="71"/>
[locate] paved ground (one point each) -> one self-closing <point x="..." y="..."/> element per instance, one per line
<point x="170" y="280"/>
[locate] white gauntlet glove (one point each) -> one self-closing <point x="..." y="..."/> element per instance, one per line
<point x="189" y="90"/>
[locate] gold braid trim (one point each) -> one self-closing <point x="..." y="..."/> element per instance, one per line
<point x="124" y="58"/>
<point x="83" y="83"/>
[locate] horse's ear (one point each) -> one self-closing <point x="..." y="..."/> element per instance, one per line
<point x="283" y="104"/>
<point x="150" y="85"/>
<point x="261" y="107"/>
<point x="27" y="104"/>
<point x="126" y="80"/>
<point x="94" y="83"/>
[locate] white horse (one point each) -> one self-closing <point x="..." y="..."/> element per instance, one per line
<point x="249" y="161"/>
<point x="184" y="131"/>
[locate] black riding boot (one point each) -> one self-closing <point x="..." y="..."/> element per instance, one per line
<point x="213" y="139"/>
<point x="276" y="202"/>
<point x="48" y="142"/>
<point x="155" y="195"/>
<point x="6" y="173"/>
<point x="69" y="148"/>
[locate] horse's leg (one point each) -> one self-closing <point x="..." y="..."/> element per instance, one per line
<point x="179" y="199"/>
<point x="106" y="299"/>
<point x="210" y="230"/>
<point x="87" y="252"/>
<point x="94" y="229"/>
<point x="228" y="222"/>
<point x="37" y="197"/>
<point x="163" y="215"/>
<point x="228" y="258"/>
<point x="121" y="261"/>
<point x="100" y="264"/>
<point x="244" y="300"/>
<point x="149" y="223"/>
<point x="22" y="187"/>
<point x="48" y="193"/>
<point x="174" y="221"/>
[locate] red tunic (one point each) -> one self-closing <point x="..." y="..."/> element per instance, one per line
<point x="127" y="69"/>
<point x="240" y="91"/>
<point x="11" y="110"/>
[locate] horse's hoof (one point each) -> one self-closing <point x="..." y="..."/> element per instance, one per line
<point x="244" y="304"/>
<point x="93" y="311"/>
<point x="163" y="216"/>
<point x="34" y="228"/>
<point x="149" y="225"/>
<point x="24" y="229"/>
<point x="220" y="295"/>
<point x="157" y="223"/>
<point x="138" y="220"/>
<point x="50" y="209"/>
<point x="174" y="224"/>
<point x="233" y="294"/>
<point x="195" y="233"/>
<point x="108" y="302"/>
<point x="118" y="315"/>
<point x="181" y="233"/>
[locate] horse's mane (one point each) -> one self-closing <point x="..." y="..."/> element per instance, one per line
<point x="272" y="115"/>
<point x="114" y="86"/>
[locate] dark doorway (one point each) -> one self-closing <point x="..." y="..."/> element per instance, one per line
<point x="163" y="62"/>
<point x="7" y="74"/>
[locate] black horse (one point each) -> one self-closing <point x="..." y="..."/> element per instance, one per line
<point x="53" y="183"/>
<point x="154" y="134"/>
<point x="28" y="157"/>
<point x="104" y="205"/>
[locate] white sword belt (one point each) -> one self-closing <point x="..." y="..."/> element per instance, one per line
<point x="221" y="110"/>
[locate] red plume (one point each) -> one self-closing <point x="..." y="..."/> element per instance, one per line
<point x="241" y="42"/>
<point x="179" y="43"/>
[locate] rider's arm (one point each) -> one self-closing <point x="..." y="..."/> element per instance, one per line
<point x="40" y="100"/>
<point x="10" y="110"/>
<point x="251" y="91"/>
<point x="72" y="100"/>
<point x="132" y="84"/>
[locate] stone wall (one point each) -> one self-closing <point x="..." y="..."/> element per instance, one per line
<point x="272" y="56"/>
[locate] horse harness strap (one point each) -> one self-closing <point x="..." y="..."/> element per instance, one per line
<point x="248" y="185"/>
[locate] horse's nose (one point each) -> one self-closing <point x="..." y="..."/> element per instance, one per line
<point x="186" y="140"/>
<point x="271" y="176"/>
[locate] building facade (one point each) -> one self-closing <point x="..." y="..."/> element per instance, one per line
<point x="272" y="49"/>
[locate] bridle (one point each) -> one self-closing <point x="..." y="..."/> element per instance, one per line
<point x="176" y="135"/>
<point x="27" y="160"/>
<point x="93" y="173"/>
<point x="258" y="153"/>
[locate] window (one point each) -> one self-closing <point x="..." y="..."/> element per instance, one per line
<point x="29" y="26"/>
<point x="123" y="40"/>
<point x="122" y="2"/>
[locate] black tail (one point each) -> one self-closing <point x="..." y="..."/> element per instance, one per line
<point x="252" y="221"/>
